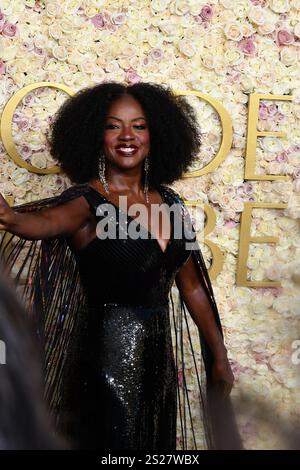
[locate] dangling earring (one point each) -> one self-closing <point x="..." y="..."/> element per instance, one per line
<point x="146" y="178"/>
<point x="101" y="167"/>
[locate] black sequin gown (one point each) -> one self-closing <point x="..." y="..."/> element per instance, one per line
<point x="102" y="317"/>
<point x="128" y="385"/>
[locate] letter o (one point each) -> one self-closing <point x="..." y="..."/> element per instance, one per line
<point x="227" y="133"/>
<point x="6" y="125"/>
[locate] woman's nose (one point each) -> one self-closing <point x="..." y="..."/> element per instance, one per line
<point x="126" y="133"/>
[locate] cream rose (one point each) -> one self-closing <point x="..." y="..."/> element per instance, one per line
<point x="288" y="55"/>
<point x="280" y="6"/>
<point x="266" y="28"/>
<point x="7" y="7"/>
<point x="257" y="15"/>
<point x="53" y="9"/>
<point x="55" y="31"/>
<point x="233" y="31"/>
<point x="39" y="160"/>
<point x="187" y="48"/>
<point x="71" y="6"/>
<point x="20" y="176"/>
<point x="157" y="6"/>
<point x="297" y="30"/>
<point x="9" y="52"/>
<point x="60" y="53"/>
<point x="233" y="57"/>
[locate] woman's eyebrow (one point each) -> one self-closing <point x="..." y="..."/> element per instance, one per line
<point x="118" y="119"/>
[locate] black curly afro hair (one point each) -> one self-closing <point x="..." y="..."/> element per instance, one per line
<point x="76" y="136"/>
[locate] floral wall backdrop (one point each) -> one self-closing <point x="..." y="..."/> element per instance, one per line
<point x="226" y="49"/>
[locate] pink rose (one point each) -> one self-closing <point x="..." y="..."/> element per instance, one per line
<point x="263" y="111"/>
<point x="2" y="68"/>
<point x="119" y="18"/>
<point x="25" y="151"/>
<point x="38" y="51"/>
<point x="98" y="21"/>
<point x="156" y="53"/>
<point x="9" y="30"/>
<point x="132" y="77"/>
<point x="2" y="21"/>
<point x="28" y="99"/>
<point x="247" y="46"/>
<point x="230" y="223"/>
<point x="281" y="157"/>
<point x="23" y="124"/>
<point x="206" y="12"/>
<point x="273" y="109"/>
<point x="284" y="37"/>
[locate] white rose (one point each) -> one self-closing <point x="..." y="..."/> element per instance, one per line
<point x="297" y="30"/>
<point x="233" y="31"/>
<point x="55" y="31"/>
<point x="41" y="41"/>
<point x="247" y="83"/>
<point x="282" y="304"/>
<point x="273" y="272"/>
<point x="187" y="48"/>
<point x="271" y="144"/>
<point x="71" y="6"/>
<point x="88" y="67"/>
<point x="233" y="57"/>
<point x="280" y="6"/>
<point x="237" y="205"/>
<point x="247" y="30"/>
<point x="60" y="53"/>
<point x="7" y="7"/>
<point x="257" y="15"/>
<point x="208" y="61"/>
<point x="52" y="9"/>
<point x="180" y="7"/>
<point x="66" y="25"/>
<point x="266" y="28"/>
<point x="9" y="53"/>
<point x="20" y="176"/>
<point x="288" y="55"/>
<point x="75" y="58"/>
<point x="159" y="5"/>
<point x="90" y="11"/>
<point x="39" y="160"/>
<point x="293" y="209"/>
<point x="170" y="30"/>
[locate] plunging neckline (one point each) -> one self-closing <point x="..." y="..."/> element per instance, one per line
<point x="133" y="218"/>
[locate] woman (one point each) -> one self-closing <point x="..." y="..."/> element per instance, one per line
<point x="111" y="373"/>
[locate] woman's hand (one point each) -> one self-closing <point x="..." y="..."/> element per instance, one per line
<point x="222" y="375"/>
<point x="7" y="215"/>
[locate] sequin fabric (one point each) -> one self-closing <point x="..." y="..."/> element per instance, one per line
<point x="127" y="388"/>
<point x="77" y="314"/>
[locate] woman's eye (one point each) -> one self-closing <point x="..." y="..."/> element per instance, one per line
<point x="140" y="126"/>
<point x="111" y="126"/>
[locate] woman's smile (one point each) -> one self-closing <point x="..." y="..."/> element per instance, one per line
<point x="127" y="150"/>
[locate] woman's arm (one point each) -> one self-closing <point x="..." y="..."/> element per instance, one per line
<point x="62" y="220"/>
<point x="196" y="300"/>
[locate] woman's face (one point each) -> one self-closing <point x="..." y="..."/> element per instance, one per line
<point x="126" y="140"/>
